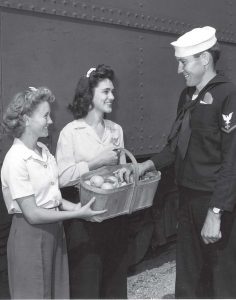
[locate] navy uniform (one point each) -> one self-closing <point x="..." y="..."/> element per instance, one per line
<point x="202" y="144"/>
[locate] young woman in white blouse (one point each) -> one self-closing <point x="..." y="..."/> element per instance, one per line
<point x="37" y="255"/>
<point x="97" y="251"/>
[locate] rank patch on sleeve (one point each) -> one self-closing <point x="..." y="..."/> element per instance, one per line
<point x="228" y="122"/>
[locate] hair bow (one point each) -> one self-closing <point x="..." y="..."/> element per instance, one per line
<point x="33" y="89"/>
<point x="90" y="71"/>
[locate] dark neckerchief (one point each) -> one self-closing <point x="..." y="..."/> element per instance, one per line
<point x="181" y="131"/>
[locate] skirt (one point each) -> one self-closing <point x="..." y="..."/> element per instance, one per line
<point x="37" y="260"/>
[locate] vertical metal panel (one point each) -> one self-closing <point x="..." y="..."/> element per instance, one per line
<point x="5" y="141"/>
<point x="189" y="11"/>
<point x="40" y="51"/>
<point x="1" y="104"/>
<point x="161" y="90"/>
<point x="52" y="43"/>
<point x="162" y="16"/>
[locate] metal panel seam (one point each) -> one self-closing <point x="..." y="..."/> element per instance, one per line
<point x="109" y="15"/>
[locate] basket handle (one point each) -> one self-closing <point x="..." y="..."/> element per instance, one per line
<point x="134" y="162"/>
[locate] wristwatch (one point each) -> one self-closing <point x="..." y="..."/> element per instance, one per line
<point x="216" y="210"/>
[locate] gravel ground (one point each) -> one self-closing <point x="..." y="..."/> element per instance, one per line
<point x="154" y="277"/>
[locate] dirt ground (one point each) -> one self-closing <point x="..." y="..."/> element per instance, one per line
<point x="154" y="277"/>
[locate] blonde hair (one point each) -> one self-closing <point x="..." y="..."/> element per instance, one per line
<point x="24" y="103"/>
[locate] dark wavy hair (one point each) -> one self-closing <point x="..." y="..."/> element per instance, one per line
<point x="84" y="92"/>
<point x="214" y="51"/>
<point x="24" y="103"/>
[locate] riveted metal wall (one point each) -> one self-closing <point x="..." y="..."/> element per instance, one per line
<point x="53" y="42"/>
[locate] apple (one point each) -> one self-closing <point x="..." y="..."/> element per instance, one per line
<point x="113" y="180"/>
<point x="107" y="186"/>
<point x="96" y="180"/>
<point x="87" y="182"/>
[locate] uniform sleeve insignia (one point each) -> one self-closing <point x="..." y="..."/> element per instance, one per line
<point x="227" y="122"/>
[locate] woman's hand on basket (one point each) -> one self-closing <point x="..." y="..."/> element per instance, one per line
<point x="86" y="213"/>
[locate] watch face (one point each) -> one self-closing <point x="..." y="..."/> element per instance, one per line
<point x="216" y="210"/>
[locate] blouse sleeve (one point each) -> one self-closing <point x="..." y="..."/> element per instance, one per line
<point x="18" y="179"/>
<point x="69" y="170"/>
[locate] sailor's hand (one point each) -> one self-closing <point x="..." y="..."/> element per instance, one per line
<point x="211" y="229"/>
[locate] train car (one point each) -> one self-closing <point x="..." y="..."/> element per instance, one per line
<point x="53" y="42"/>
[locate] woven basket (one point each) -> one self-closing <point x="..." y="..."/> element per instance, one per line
<point x="122" y="200"/>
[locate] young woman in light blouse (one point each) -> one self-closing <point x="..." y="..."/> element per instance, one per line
<point x="37" y="255"/>
<point x="97" y="251"/>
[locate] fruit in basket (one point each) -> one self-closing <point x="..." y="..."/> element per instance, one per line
<point x="124" y="175"/>
<point x="107" y="186"/>
<point x="87" y="182"/>
<point x="96" y="180"/>
<point x="131" y="178"/>
<point x="113" y="180"/>
<point x="148" y="175"/>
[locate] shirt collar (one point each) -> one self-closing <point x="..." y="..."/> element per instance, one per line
<point x="28" y="153"/>
<point x="80" y="124"/>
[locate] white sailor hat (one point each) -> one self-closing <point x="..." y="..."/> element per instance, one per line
<point x="195" y="41"/>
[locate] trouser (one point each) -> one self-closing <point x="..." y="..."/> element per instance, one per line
<point x="37" y="260"/>
<point x="4" y="232"/>
<point x="204" y="271"/>
<point x="5" y="224"/>
<point x="98" y="258"/>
